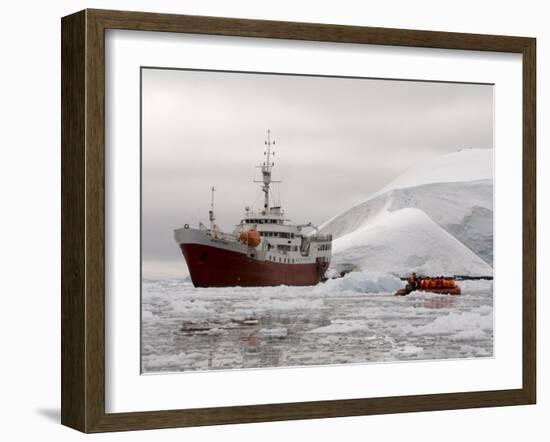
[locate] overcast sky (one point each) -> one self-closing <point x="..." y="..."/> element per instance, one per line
<point x="337" y="141"/>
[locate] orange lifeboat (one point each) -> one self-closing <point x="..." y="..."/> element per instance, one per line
<point x="250" y="237"/>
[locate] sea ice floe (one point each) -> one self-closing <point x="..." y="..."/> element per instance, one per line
<point x="342" y="326"/>
<point x="460" y="324"/>
<point x="280" y="332"/>
<point x="333" y="323"/>
<point x="364" y="282"/>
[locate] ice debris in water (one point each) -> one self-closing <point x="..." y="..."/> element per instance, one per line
<point x="365" y="282"/>
<point x="298" y="326"/>
<point x="280" y="332"/>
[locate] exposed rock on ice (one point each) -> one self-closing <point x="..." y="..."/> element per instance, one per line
<point x="451" y="231"/>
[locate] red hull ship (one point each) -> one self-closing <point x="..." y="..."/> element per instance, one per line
<point x="264" y="250"/>
<point x="223" y="268"/>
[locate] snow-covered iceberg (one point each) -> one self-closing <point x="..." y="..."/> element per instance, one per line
<point x="407" y="240"/>
<point x="456" y="167"/>
<point x="436" y="218"/>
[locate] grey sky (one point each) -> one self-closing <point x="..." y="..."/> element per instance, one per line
<point x="337" y="141"/>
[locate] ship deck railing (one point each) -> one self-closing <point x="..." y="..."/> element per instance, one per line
<point x="222" y="235"/>
<point x="320" y="237"/>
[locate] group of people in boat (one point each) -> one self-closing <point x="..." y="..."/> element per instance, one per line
<point x="429" y="283"/>
<point x="439" y="282"/>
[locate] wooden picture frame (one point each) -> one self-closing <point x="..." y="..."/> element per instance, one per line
<point x="83" y="220"/>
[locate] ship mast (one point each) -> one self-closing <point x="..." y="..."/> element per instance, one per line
<point x="266" y="167"/>
<point x="211" y="215"/>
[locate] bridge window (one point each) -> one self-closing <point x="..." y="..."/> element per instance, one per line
<point x="283" y="247"/>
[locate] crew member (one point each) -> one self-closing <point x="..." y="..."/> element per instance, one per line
<point x="412" y="283"/>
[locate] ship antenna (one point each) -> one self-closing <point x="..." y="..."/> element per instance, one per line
<point x="211" y="215"/>
<point x="266" y="170"/>
<point x="266" y="167"/>
<point x="269" y="143"/>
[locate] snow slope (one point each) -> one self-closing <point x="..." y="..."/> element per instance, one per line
<point x="460" y="166"/>
<point x="407" y="240"/>
<point x="465" y="210"/>
<point x="454" y="192"/>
